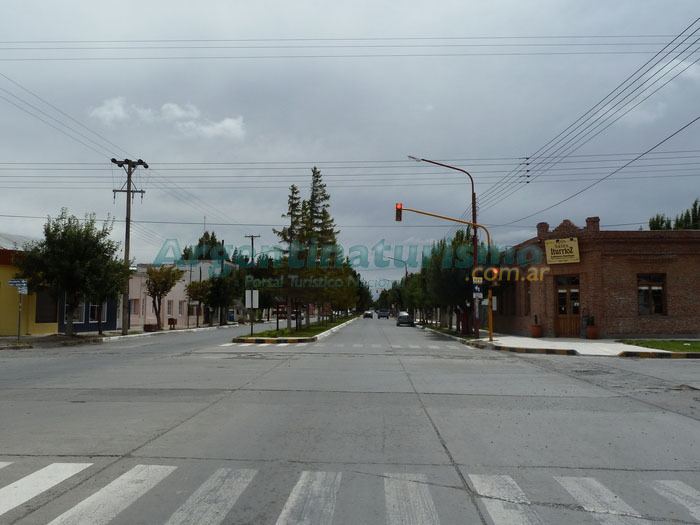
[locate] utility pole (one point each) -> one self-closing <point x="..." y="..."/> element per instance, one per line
<point x="129" y="167"/>
<point x="252" y="262"/>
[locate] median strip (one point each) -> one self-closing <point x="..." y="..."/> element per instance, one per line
<point x="293" y="339"/>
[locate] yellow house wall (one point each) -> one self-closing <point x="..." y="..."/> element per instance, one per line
<point x="8" y="309"/>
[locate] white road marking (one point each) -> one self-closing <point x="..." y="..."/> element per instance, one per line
<point x="282" y="344"/>
<point x="408" y="500"/>
<point x="35" y="483"/>
<point x="357" y="345"/>
<point x="4" y="464"/>
<point x="414" y="346"/>
<point x="108" y="502"/>
<point x="397" y="346"/>
<point x="246" y="344"/>
<point x="434" y="347"/>
<point x="264" y="344"/>
<point x="681" y="493"/>
<point x="312" y="500"/>
<point x="504" y="500"/>
<point x="214" y="499"/>
<point x="376" y="346"/>
<point x="228" y="344"/>
<point x="593" y="496"/>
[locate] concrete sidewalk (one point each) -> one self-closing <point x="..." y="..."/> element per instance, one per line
<point x="597" y="347"/>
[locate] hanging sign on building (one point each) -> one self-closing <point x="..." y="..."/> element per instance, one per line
<point x="562" y="251"/>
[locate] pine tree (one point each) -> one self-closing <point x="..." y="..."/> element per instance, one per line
<point x="687" y="220"/>
<point x="289" y="234"/>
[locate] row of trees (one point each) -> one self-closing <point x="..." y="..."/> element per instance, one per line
<point x="687" y="220"/>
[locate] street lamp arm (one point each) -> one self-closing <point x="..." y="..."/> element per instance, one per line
<point x="436" y="163"/>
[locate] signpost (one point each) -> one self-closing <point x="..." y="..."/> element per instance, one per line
<point x="251" y="303"/>
<point x="22" y="289"/>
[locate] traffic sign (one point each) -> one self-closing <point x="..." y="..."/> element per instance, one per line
<point x="17" y="282"/>
<point x="251" y="298"/>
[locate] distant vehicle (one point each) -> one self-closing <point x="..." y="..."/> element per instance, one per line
<point x="405" y="318"/>
<point x="368" y="315"/>
<point x="383" y="313"/>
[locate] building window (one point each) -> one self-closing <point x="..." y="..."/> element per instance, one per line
<point x="181" y="307"/>
<point x="170" y="307"/>
<point x="134" y="306"/>
<point x="78" y="315"/>
<point x="651" y="294"/>
<point x="93" y="313"/>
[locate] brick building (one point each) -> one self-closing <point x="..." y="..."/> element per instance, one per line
<point x="632" y="283"/>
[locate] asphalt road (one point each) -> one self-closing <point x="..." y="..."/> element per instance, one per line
<point x="372" y="425"/>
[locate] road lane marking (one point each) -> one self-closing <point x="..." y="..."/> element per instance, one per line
<point x="593" y="496"/>
<point x="434" y="347"/>
<point x="30" y="486"/>
<point x="376" y="346"/>
<point x="408" y="500"/>
<point x="264" y="344"/>
<point x="396" y="346"/>
<point x="681" y="493"/>
<point x="282" y="344"/>
<point x="4" y="464"/>
<point x="414" y="346"/>
<point x="246" y="344"/>
<point x="214" y="499"/>
<point x="108" y="502"/>
<point x="312" y="500"/>
<point x="228" y="344"/>
<point x="357" y="345"/>
<point x="504" y="500"/>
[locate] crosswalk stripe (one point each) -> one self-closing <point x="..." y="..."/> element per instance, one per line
<point x="408" y="500"/>
<point x="246" y="344"/>
<point x="357" y="345"/>
<point x="312" y="500"/>
<point x="397" y="346"/>
<point x="593" y="496"/>
<point x="434" y="347"/>
<point x="106" y="503"/>
<point x="4" y="464"/>
<point x="34" y="484"/>
<point x="264" y="344"/>
<point x="376" y="346"/>
<point x="283" y="344"/>
<point x="504" y="500"/>
<point x="214" y="498"/>
<point x="413" y="346"/>
<point x="228" y="344"/>
<point x="681" y="493"/>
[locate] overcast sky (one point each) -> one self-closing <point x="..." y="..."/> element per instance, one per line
<point x="355" y="117"/>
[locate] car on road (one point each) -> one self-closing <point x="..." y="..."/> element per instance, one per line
<point x="383" y="313"/>
<point x="405" y="318"/>
<point x="368" y="315"/>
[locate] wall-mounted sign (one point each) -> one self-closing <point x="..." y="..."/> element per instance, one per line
<point x="562" y="251"/>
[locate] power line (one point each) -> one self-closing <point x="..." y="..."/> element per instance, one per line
<point x="579" y="192"/>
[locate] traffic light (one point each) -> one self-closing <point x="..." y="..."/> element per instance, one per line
<point x="399" y="209"/>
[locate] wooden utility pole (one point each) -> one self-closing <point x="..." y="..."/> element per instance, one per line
<point x="129" y="167"/>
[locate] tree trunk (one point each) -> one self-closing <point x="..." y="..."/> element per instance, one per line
<point x="308" y="315"/>
<point x="156" y="309"/>
<point x="289" y="314"/>
<point x="99" y="318"/>
<point x="199" y="307"/>
<point x="70" y="312"/>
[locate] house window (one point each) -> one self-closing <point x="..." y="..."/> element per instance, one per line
<point x="170" y="307"/>
<point x="134" y="306"/>
<point x="78" y="315"/>
<point x="93" y="315"/>
<point x="651" y="294"/>
<point x="181" y="307"/>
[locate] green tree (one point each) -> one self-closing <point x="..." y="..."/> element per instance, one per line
<point x="108" y="281"/>
<point x="223" y="289"/>
<point x="159" y="282"/>
<point x="198" y="291"/>
<point x="208" y="248"/>
<point x="687" y="220"/>
<point x="68" y="260"/>
<point x="289" y="234"/>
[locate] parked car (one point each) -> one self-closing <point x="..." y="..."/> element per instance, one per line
<point x="405" y="318"/>
<point x="368" y="315"/>
<point x="383" y="313"/>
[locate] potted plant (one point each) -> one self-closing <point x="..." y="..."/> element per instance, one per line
<point x="536" y="329"/>
<point x="591" y="328"/>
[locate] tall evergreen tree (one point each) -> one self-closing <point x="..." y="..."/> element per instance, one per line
<point x="289" y="234"/>
<point x="687" y="220"/>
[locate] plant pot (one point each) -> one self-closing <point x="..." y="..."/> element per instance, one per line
<point x="592" y="332"/>
<point x="535" y="330"/>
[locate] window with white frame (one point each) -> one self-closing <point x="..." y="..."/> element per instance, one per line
<point x="93" y="314"/>
<point x="181" y="306"/>
<point x="78" y="315"/>
<point x="170" y="307"/>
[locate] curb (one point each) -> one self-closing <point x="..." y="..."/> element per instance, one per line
<point x="482" y="345"/>
<point x="310" y="339"/>
<point x="16" y="346"/>
<point x="163" y="332"/>
<point x="659" y="355"/>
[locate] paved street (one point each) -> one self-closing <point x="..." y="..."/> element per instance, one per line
<point x="372" y="425"/>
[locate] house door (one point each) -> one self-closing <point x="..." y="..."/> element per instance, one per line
<point x="568" y="319"/>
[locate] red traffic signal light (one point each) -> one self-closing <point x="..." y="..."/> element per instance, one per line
<point x="399" y="210"/>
